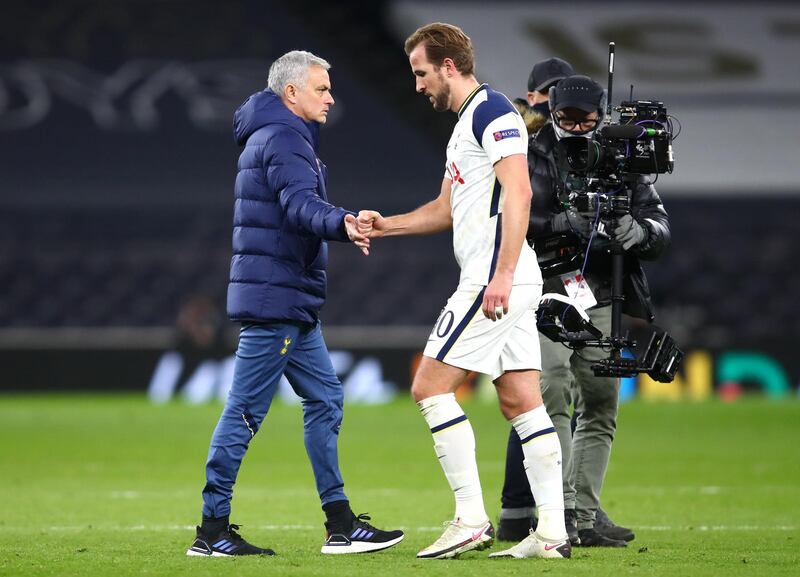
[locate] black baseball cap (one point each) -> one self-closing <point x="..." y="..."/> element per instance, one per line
<point x="577" y="92"/>
<point x="548" y="72"/>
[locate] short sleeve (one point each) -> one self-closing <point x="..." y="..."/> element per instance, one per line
<point x="499" y="129"/>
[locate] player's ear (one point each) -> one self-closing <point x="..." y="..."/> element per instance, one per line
<point x="449" y="66"/>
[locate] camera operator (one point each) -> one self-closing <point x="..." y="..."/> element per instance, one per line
<point x="577" y="106"/>
<point x="544" y="75"/>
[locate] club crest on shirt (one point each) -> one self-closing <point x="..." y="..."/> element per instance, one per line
<point x="286" y="342"/>
<point x="508" y="133"/>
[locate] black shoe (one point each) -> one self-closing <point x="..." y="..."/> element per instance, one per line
<point x="608" y="528"/>
<point x="514" y="529"/>
<point x="225" y="543"/>
<point x="571" y="524"/>
<point x="360" y="537"/>
<point x="591" y="538"/>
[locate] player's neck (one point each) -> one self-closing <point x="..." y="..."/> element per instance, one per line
<point x="461" y="88"/>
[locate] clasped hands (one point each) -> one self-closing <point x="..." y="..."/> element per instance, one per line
<point x="367" y="225"/>
<point x="371" y="224"/>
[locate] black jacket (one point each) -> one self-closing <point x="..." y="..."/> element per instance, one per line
<point x="646" y="208"/>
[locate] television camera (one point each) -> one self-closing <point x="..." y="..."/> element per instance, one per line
<point x="600" y="171"/>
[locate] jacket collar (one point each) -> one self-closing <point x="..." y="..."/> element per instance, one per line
<point x="264" y="108"/>
<point x="543" y="141"/>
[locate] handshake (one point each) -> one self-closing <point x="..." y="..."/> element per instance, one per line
<point x="367" y="225"/>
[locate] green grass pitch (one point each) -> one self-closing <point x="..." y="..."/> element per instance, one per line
<point x="110" y="486"/>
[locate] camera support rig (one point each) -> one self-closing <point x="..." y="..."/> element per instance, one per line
<point x="660" y="359"/>
<point x="560" y="318"/>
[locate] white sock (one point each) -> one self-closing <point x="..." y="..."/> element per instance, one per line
<point x="543" y="467"/>
<point x="454" y="443"/>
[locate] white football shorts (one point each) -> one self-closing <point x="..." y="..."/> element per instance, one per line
<point x="465" y="338"/>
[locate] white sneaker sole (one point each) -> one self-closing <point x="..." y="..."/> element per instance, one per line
<point x="483" y="542"/>
<point x="543" y="550"/>
<point x="359" y="547"/>
<point x="195" y="553"/>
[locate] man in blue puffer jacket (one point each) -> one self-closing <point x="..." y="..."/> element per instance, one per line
<point x="282" y="220"/>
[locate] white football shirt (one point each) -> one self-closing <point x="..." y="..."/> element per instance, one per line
<point x="489" y="128"/>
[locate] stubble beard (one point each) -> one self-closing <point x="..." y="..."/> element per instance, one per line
<point x="441" y="102"/>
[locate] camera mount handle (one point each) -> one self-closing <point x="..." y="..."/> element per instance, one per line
<point x="617" y="253"/>
<point x="617" y="295"/>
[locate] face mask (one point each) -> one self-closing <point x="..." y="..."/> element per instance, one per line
<point x="561" y="133"/>
<point x="542" y="108"/>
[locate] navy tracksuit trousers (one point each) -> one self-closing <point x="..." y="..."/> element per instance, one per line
<point x="265" y="353"/>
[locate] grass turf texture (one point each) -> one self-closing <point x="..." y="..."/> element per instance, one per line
<point x="110" y="486"/>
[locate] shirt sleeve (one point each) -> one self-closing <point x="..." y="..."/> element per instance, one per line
<point x="500" y="130"/>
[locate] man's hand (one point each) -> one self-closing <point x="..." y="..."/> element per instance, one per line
<point x="358" y="238"/>
<point x="571" y="221"/>
<point x="495" y="297"/>
<point x="629" y="233"/>
<point x="371" y="224"/>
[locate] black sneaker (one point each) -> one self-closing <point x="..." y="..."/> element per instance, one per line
<point x="226" y="543"/>
<point x="591" y="538"/>
<point x="608" y="528"/>
<point x="360" y="537"/>
<point x="514" y="529"/>
<point x="571" y="524"/>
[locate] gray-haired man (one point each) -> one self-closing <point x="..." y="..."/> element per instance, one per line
<point x="282" y="220"/>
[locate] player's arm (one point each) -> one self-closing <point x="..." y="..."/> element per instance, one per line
<point x="429" y="218"/>
<point x="512" y="173"/>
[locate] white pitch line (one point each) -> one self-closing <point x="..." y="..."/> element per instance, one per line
<point x="718" y="528"/>
<point x="702" y="489"/>
<point x="137" y="494"/>
<point x="424" y="529"/>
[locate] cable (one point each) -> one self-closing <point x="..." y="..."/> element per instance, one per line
<point x="680" y="127"/>
<point x="652" y="154"/>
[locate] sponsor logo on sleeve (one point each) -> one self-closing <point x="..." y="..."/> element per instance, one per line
<point x="508" y="133"/>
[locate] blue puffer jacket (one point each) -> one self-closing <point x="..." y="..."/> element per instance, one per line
<point x="281" y="217"/>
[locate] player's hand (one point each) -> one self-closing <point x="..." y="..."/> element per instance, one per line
<point x="371" y="224"/>
<point x="495" y="297"/>
<point x="357" y="238"/>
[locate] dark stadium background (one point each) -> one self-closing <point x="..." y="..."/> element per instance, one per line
<point x="117" y="164"/>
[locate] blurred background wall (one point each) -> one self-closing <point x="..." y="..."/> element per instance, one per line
<point x="117" y="164"/>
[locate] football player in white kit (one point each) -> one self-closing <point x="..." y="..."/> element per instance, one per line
<point x="488" y="324"/>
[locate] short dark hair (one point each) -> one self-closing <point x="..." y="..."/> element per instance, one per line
<point x="444" y="41"/>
